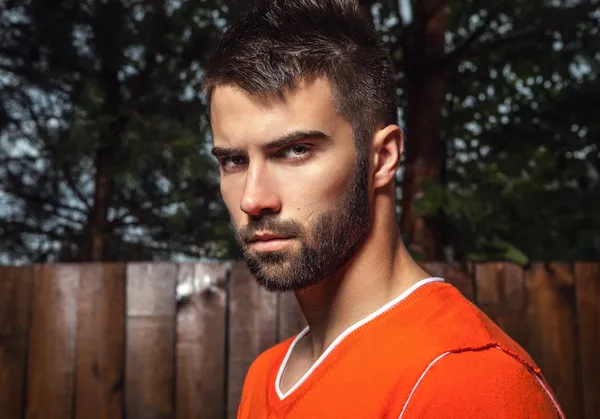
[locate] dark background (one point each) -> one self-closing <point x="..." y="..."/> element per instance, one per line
<point x="104" y="132"/>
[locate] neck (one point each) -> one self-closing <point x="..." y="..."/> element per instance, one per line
<point x="380" y="271"/>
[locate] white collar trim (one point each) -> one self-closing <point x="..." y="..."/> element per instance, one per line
<point x="341" y="337"/>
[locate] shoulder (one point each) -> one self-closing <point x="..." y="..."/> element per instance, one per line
<point x="451" y="322"/>
<point x="481" y="383"/>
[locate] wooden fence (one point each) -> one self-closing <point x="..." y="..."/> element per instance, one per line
<point x="147" y="341"/>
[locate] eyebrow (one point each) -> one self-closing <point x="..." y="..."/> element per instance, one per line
<point x="292" y="137"/>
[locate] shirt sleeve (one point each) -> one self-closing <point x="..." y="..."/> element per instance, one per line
<point x="480" y="384"/>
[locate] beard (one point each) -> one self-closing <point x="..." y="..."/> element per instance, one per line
<point x="324" y="247"/>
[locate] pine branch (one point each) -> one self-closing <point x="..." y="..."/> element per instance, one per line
<point x="67" y="175"/>
<point x="21" y="227"/>
<point x="559" y="18"/>
<point x="20" y="192"/>
<point x="492" y="15"/>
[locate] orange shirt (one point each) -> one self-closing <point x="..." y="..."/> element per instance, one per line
<point x="429" y="353"/>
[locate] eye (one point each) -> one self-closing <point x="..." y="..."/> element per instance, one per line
<point x="296" y="151"/>
<point x="230" y="163"/>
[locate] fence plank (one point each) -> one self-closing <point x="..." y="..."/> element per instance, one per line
<point x="553" y="342"/>
<point x="101" y="341"/>
<point x="252" y="329"/>
<point x="436" y="269"/>
<point x="53" y="318"/>
<point x="454" y="274"/>
<point x="460" y="277"/>
<point x="290" y="320"/>
<point x="501" y="295"/>
<point x="150" y="363"/>
<point x="201" y="342"/>
<point x="53" y="342"/>
<point x="587" y="277"/>
<point x="15" y="312"/>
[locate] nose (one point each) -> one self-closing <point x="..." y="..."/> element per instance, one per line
<point x="259" y="195"/>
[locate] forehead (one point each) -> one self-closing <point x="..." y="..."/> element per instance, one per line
<point x="236" y="115"/>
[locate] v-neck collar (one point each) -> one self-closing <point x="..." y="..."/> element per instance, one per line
<point x="340" y="338"/>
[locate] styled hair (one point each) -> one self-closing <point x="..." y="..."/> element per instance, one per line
<point x="277" y="43"/>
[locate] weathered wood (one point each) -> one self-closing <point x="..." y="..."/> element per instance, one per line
<point x="201" y="342"/>
<point x="253" y="323"/>
<point x="101" y="342"/>
<point x="587" y="279"/>
<point x="53" y="342"/>
<point x="501" y="295"/>
<point x="460" y="277"/>
<point x="16" y="285"/>
<point x="453" y="274"/>
<point x="290" y="320"/>
<point x="437" y="269"/>
<point x="150" y="346"/>
<point x="553" y="341"/>
<point x="63" y="345"/>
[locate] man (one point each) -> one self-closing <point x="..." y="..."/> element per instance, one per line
<point x="304" y="120"/>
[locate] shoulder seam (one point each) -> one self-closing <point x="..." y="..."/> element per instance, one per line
<point x="431" y="364"/>
<point x="536" y="373"/>
<point x="529" y="369"/>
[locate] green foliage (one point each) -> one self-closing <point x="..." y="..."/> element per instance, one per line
<point x="521" y="132"/>
<point x="523" y="136"/>
<point x="93" y="90"/>
<point x="104" y="133"/>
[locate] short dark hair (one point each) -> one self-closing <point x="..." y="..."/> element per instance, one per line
<point x="276" y="43"/>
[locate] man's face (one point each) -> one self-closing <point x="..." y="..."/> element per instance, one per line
<point x="295" y="188"/>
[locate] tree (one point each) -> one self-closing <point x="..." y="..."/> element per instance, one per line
<point x="103" y="131"/>
<point x="454" y="53"/>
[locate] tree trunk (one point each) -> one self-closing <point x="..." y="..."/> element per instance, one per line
<point x="103" y="183"/>
<point x="94" y="248"/>
<point x="425" y="157"/>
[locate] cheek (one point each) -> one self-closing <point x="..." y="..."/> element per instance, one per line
<point x="231" y="198"/>
<point x="336" y="178"/>
<point x="319" y="188"/>
<point x="337" y="185"/>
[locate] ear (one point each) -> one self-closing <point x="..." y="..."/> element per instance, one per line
<point x="388" y="145"/>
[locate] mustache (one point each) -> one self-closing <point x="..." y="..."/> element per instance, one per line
<point x="288" y="228"/>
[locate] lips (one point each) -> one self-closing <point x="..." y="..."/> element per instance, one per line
<point x="266" y="237"/>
